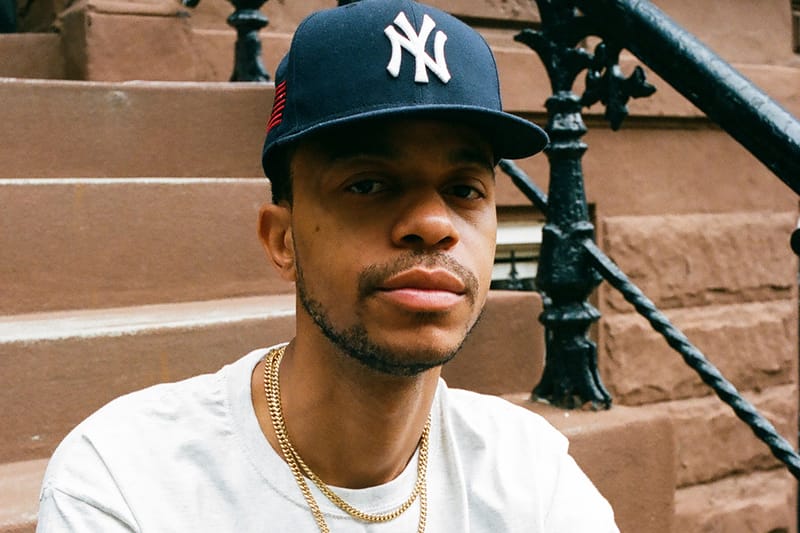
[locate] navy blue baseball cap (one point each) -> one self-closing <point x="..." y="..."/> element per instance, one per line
<point x="391" y="58"/>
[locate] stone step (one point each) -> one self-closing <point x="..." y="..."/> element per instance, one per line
<point x="31" y="55"/>
<point x="91" y="243"/>
<point x="132" y="129"/>
<point x="56" y="368"/>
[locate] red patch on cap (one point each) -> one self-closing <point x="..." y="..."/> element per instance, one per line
<point x="277" y="106"/>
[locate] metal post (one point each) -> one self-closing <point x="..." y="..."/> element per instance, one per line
<point x="248" y="20"/>
<point x="565" y="275"/>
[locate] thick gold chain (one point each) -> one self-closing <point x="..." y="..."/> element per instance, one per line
<point x="298" y="467"/>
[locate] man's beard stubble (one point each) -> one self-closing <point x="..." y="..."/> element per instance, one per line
<point x="355" y="341"/>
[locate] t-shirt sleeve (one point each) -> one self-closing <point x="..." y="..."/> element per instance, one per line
<point x="80" y="493"/>
<point x="577" y="506"/>
<point x="62" y="512"/>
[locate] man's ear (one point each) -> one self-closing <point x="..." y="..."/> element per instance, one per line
<point x="275" y="232"/>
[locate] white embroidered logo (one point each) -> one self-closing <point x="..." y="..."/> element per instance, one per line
<point x="415" y="44"/>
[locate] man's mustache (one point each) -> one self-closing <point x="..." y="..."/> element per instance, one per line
<point x="375" y="276"/>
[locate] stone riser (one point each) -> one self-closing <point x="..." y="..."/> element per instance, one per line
<point x="94" y="243"/>
<point x="762" y="502"/>
<point x="135" y="129"/>
<point x="57" y="368"/>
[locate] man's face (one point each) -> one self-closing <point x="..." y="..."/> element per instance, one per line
<point x="394" y="231"/>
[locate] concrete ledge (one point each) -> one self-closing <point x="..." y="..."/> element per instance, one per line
<point x="629" y="455"/>
<point x="132" y="129"/>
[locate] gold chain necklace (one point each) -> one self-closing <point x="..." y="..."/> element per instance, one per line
<point x="298" y="467"/>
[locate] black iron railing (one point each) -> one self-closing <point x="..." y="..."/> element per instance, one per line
<point x="571" y="260"/>
<point x="571" y="265"/>
<point x="247" y="20"/>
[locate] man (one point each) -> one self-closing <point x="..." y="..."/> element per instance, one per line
<point x="381" y="149"/>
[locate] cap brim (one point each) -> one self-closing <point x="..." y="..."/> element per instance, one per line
<point x="510" y="136"/>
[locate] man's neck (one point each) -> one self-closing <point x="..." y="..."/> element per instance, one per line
<point x="354" y="427"/>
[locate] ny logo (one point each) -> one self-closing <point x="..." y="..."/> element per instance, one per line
<point x="415" y="44"/>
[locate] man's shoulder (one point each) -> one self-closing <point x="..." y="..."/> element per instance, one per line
<point x="493" y="418"/>
<point x="154" y="418"/>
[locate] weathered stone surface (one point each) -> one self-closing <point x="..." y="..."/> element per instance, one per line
<point x="505" y="351"/>
<point x="31" y="55"/>
<point x="136" y="40"/>
<point x="689" y="260"/>
<point x="666" y="168"/>
<point x="86" y="358"/>
<point x="747" y="31"/>
<point x="627" y="452"/>
<point x="761" y="502"/>
<point x="753" y="345"/>
<point x="121" y="242"/>
<point x="712" y="442"/>
<point x="137" y="129"/>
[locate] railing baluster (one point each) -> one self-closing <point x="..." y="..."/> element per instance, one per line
<point x="248" y="20"/>
<point x="565" y="275"/>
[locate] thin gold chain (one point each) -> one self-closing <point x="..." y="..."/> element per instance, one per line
<point x="298" y="467"/>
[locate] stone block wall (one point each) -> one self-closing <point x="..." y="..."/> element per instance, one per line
<point x="703" y="230"/>
<point x="738" y="305"/>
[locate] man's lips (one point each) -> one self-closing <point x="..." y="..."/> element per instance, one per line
<point x="426" y="280"/>
<point x="423" y="290"/>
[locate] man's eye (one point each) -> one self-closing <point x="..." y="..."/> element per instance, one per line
<point x="466" y="192"/>
<point x="366" y="187"/>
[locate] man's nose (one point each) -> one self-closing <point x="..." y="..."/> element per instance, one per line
<point x="425" y="222"/>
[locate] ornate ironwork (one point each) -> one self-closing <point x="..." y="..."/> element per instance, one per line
<point x="751" y="117"/>
<point x="605" y="83"/>
<point x="794" y="241"/>
<point x="565" y="274"/>
<point x="247" y="20"/>
<point x="8" y="16"/>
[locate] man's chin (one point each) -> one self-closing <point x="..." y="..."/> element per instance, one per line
<point x="402" y="363"/>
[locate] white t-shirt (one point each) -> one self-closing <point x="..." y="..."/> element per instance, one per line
<point x="190" y="456"/>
